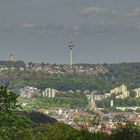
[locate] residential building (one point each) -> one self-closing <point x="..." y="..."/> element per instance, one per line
<point x="28" y="92"/>
<point x="137" y="91"/>
<point x="49" y="92"/>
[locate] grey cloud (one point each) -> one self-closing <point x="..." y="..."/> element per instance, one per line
<point x="74" y="2"/>
<point x="91" y="10"/>
<point x="27" y="25"/>
<point x="100" y="27"/>
<point x="55" y="26"/>
<point x="136" y="28"/>
<point x="103" y="26"/>
<point x="74" y="31"/>
<point x="112" y="14"/>
<point x="30" y="27"/>
<point x="106" y="22"/>
<point x="135" y="12"/>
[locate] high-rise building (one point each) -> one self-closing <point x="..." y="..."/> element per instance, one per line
<point x="49" y="93"/>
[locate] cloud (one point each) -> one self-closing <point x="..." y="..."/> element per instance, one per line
<point x="112" y="14"/>
<point x="27" y="25"/>
<point x="136" y="27"/>
<point x="75" y="2"/>
<point x="135" y="12"/>
<point x="91" y="10"/>
<point x="55" y="26"/>
<point x="34" y="28"/>
<point x="97" y="27"/>
<point x="106" y="22"/>
<point x="74" y="31"/>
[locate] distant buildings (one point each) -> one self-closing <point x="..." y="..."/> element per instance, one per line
<point x="28" y="92"/>
<point x="49" y="93"/>
<point x="120" y="89"/>
<point x="121" y="92"/>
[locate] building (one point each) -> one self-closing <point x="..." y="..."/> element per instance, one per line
<point x="123" y="95"/>
<point x="28" y="92"/>
<point x="119" y="90"/>
<point x="98" y="97"/>
<point x="49" y="93"/>
<point x="111" y="103"/>
<point x="137" y="92"/>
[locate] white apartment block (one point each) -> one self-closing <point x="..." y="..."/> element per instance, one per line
<point x="49" y="92"/>
<point x="137" y="91"/>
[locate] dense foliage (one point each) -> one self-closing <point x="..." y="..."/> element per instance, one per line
<point x="128" y="102"/>
<point x="67" y="100"/>
<point x="64" y="100"/>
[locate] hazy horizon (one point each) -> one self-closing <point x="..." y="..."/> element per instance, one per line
<point x="40" y="31"/>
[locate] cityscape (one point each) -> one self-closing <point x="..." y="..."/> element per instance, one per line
<point x="69" y="70"/>
<point x="73" y="104"/>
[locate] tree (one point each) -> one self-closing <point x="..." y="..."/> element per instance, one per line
<point x="12" y="126"/>
<point x="8" y="100"/>
<point x="60" y="131"/>
<point x="132" y="94"/>
<point x="127" y="131"/>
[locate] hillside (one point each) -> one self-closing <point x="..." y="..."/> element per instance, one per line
<point x="37" y="118"/>
<point x="101" y="77"/>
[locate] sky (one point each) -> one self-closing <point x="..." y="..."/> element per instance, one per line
<point x="102" y="31"/>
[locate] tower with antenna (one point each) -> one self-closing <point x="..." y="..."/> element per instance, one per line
<point x="71" y="46"/>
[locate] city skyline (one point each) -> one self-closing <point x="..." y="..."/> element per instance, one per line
<point x="40" y="31"/>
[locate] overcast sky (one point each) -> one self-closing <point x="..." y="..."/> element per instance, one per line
<point x="103" y="31"/>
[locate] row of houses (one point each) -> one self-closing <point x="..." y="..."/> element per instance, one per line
<point x="105" y="122"/>
<point x="53" y="68"/>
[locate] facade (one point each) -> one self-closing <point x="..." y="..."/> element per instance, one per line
<point x="111" y="103"/>
<point x="123" y="95"/>
<point x="28" y="92"/>
<point x="119" y="90"/>
<point x="137" y="91"/>
<point x="49" y="93"/>
<point x="98" y="97"/>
